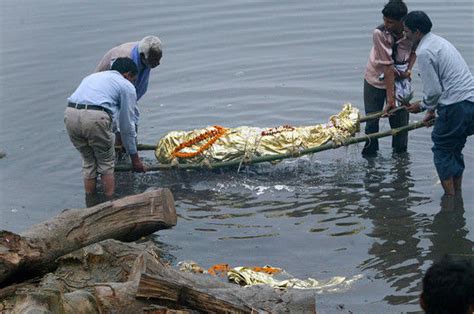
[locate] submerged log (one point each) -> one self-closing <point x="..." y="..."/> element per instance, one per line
<point x="153" y="287"/>
<point x="116" y="277"/>
<point x="34" y="252"/>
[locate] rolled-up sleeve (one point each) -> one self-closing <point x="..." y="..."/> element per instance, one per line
<point x="128" y="118"/>
<point x="382" y="48"/>
<point x="431" y="85"/>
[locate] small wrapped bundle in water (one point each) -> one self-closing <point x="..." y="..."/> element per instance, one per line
<point x="219" y="144"/>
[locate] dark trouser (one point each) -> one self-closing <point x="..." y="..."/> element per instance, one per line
<point x="374" y="101"/>
<point x="452" y="127"/>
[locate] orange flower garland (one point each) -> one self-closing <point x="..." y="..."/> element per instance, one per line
<point x="219" y="269"/>
<point x="213" y="134"/>
<point x="266" y="269"/>
<point x="273" y="131"/>
<point x="222" y="269"/>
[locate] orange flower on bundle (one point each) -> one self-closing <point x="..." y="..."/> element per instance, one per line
<point x="280" y="129"/>
<point x="222" y="269"/>
<point x="267" y="269"/>
<point x="219" y="269"/>
<point x="213" y="134"/>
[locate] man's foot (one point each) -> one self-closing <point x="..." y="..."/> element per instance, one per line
<point x="450" y="202"/>
<point x="369" y="154"/>
<point x="457" y="181"/>
<point x="448" y="186"/>
<point x="400" y="150"/>
<point x="109" y="197"/>
<point x="92" y="199"/>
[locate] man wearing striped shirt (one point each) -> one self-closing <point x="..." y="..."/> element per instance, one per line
<point x="390" y="61"/>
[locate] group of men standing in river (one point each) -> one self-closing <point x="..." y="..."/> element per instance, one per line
<point x="448" y="87"/>
<point x="103" y="110"/>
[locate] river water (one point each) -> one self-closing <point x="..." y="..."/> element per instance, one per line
<point x="233" y="63"/>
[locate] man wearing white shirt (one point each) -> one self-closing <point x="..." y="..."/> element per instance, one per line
<point x="448" y="86"/>
<point x="100" y="100"/>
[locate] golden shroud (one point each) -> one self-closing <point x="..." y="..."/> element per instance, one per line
<point x="247" y="142"/>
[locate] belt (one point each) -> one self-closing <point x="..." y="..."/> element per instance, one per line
<point x="90" y="107"/>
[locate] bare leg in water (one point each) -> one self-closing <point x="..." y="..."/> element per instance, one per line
<point x="108" y="181"/>
<point x="458" y="184"/>
<point x="90" y="186"/>
<point x="91" y="192"/>
<point x="448" y="186"/>
<point x="452" y="185"/>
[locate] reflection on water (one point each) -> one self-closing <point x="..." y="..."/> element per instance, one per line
<point x="400" y="254"/>
<point x="396" y="246"/>
<point x="325" y="204"/>
<point x="448" y="231"/>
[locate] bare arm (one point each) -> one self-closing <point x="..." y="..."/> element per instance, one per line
<point x="412" y="60"/>
<point x="389" y="79"/>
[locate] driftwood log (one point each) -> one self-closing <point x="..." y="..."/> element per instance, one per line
<point x="35" y="251"/>
<point x="116" y="277"/>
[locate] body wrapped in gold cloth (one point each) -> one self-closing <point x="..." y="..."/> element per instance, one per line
<point x="218" y="144"/>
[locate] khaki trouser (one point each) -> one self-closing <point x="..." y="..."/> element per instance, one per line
<point x="91" y="133"/>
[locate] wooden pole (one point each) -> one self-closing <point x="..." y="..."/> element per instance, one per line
<point x="378" y="115"/>
<point x="312" y="150"/>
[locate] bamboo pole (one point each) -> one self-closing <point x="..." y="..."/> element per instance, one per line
<point x="260" y="159"/>
<point x="377" y="115"/>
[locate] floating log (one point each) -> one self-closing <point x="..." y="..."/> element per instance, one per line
<point x="34" y="252"/>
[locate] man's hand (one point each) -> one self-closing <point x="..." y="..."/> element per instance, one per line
<point x="137" y="164"/>
<point x="404" y="75"/>
<point x="429" y="116"/>
<point x="414" y="107"/>
<point x="388" y="108"/>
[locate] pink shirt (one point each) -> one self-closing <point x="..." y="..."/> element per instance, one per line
<point x="381" y="55"/>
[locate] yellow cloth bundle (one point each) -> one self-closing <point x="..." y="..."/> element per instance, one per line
<point x="217" y="144"/>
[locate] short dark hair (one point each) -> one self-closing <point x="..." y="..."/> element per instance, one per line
<point x="448" y="287"/>
<point x="124" y="65"/>
<point x="395" y="9"/>
<point x="418" y="20"/>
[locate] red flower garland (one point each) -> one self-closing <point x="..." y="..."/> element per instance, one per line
<point x="213" y="134"/>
